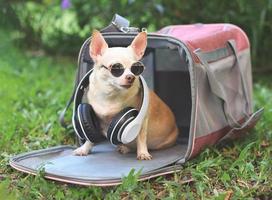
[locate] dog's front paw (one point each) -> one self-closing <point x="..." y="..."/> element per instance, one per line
<point x="123" y="149"/>
<point x="144" y="156"/>
<point x="81" y="151"/>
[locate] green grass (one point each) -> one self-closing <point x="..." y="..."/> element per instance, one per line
<point x="33" y="90"/>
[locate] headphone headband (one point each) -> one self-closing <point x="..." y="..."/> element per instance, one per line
<point x="133" y="128"/>
<point x="84" y="82"/>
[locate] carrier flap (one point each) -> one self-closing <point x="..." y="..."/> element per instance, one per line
<point x="104" y="166"/>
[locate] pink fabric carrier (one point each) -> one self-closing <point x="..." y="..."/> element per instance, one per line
<point x="201" y="71"/>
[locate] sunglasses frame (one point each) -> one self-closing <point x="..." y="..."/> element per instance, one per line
<point x="123" y="68"/>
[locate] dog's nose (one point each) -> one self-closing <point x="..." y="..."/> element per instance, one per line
<point x="130" y="78"/>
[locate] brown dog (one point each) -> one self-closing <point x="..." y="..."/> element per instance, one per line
<point x="108" y="95"/>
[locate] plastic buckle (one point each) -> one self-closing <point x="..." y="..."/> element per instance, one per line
<point x="129" y="29"/>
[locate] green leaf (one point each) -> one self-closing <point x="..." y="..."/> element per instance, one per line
<point x="225" y="177"/>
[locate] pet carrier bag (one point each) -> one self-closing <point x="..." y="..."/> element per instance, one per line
<point x="201" y="71"/>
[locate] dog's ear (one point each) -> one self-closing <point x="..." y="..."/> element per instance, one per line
<point x="97" y="46"/>
<point x="138" y="45"/>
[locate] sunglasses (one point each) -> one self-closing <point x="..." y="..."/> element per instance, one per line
<point x="118" y="69"/>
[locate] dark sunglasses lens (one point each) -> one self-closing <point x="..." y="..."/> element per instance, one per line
<point x="117" y="69"/>
<point x="137" y="68"/>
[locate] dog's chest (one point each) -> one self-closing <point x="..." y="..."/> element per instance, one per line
<point x="106" y="111"/>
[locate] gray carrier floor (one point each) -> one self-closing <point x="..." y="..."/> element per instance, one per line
<point x="104" y="165"/>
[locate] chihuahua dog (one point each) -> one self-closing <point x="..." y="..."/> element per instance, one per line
<point x="111" y="91"/>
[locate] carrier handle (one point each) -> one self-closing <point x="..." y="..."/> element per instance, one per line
<point x="217" y="87"/>
<point x="119" y="24"/>
<point x="232" y="45"/>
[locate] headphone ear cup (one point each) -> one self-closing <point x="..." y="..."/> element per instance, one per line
<point x="118" y="124"/>
<point x="89" y="123"/>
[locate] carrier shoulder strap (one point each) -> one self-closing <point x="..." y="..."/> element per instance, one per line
<point x="69" y="102"/>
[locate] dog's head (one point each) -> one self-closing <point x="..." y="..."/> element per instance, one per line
<point x="117" y="66"/>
